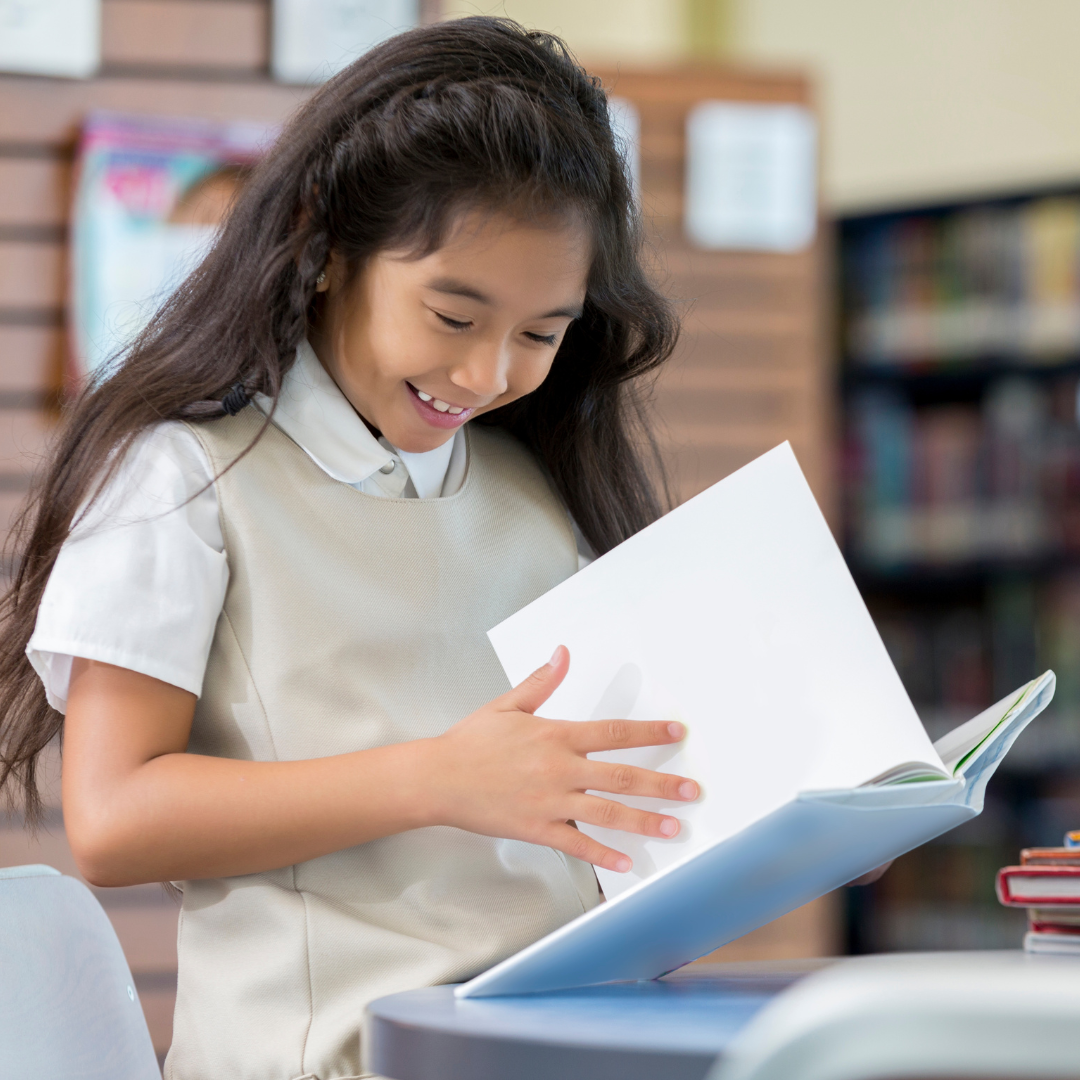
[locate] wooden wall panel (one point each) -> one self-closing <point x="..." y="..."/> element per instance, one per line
<point x="232" y="35"/>
<point x="31" y="274"/>
<point x="24" y="439"/>
<point x="758" y="314"/>
<point x="46" y="112"/>
<point x="30" y="359"/>
<point x="34" y="192"/>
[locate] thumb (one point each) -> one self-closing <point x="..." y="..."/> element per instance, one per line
<point x="532" y="692"/>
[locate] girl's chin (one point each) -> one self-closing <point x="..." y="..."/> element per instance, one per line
<point x="419" y="438"/>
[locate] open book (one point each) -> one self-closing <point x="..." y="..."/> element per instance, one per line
<point x="736" y="614"/>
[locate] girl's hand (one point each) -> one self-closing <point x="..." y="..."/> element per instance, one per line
<point x="873" y="875"/>
<point x="504" y="772"/>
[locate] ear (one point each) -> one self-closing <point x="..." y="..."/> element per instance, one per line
<point x="331" y="275"/>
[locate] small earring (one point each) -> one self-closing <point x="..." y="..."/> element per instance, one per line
<point x="321" y="278"/>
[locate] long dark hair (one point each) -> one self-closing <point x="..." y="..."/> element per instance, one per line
<point x="474" y="113"/>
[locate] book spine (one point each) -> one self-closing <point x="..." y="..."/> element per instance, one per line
<point x="1039" y="927"/>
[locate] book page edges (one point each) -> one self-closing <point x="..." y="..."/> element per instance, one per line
<point x="975" y="737"/>
<point x="960" y="748"/>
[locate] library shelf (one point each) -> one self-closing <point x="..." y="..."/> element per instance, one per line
<point x="958" y="378"/>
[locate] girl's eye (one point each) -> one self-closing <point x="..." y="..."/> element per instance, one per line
<point x="454" y="323"/>
<point x="543" y="339"/>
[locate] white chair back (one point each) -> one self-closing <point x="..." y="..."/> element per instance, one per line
<point x="986" y="1015"/>
<point x="68" y="1006"/>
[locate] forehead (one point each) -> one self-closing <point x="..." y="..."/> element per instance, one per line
<point x="504" y="248"/>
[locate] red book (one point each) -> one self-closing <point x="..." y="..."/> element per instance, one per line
<point x="1038" y="886"/>
<point x="1037" y="926"/>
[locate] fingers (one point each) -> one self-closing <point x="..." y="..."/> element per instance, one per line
<point x="590" y="736"/>
<point x="872" y="876"/>
<point x="530" y="694"/>
<point x="629" y="780"/>
<point x="579" y="846"/>
<point x="592" y="810"/>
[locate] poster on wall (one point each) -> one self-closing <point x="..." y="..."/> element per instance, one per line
<point x="50" y="37"/>
<point x="149" y="197"/>
<point x="751" y="176"/>
<point x="314" y="39"/>
<point x="626" y="126"/>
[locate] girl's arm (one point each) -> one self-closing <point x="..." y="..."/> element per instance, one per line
<point x="137" y="808"/>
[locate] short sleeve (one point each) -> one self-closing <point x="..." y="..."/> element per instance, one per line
<point x="141" y="581"/>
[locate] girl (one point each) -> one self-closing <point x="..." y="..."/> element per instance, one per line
<point x="263" y="559"/>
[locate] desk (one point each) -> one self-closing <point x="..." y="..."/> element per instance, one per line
<point x="672" y="1028"/>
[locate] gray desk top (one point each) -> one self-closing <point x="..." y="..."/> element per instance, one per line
<point x="673" y="1027"/>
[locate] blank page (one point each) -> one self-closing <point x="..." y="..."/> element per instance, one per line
<point x="737" y="615"/>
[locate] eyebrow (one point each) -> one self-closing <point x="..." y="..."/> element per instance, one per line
<point x="453" y="287"/>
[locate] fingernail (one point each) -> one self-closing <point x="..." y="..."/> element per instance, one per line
<point x="688" y="790"/>
<point x="669" y="827"/>
<point x="676" y="731"/>
<point x="623" y="865"/>
<point x="554" y="656"/>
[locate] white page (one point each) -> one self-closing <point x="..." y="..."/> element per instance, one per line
<point x="736" y="614"/>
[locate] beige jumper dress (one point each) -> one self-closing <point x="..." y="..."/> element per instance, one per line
<point x="351" y="622"/>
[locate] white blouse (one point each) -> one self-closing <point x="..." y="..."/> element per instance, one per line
<point x="141" y="580"/>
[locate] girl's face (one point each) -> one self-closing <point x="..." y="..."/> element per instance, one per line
<point x="421" y="345"/>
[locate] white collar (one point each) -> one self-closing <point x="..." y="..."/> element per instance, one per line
<point x="317" y="416"/>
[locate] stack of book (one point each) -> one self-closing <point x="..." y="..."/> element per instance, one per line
<point x="1047" y="883"/>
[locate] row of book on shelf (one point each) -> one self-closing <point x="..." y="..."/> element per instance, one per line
<point x="1047" y="883"/>
<point x="952" y="483"/>
<point x="993" y="279"/>
<point x="960" y="657"/>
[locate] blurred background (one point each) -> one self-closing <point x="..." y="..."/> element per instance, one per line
<point x="869" y="214"/>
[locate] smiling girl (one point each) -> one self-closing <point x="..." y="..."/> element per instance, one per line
<point x="258" y="572"/>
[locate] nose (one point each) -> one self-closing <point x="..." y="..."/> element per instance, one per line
<point x="484" y="371"/>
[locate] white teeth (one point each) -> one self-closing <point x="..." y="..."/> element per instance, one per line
<point x="441" y="406"/>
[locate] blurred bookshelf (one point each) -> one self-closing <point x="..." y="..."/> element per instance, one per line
<point x="960" y="377"/>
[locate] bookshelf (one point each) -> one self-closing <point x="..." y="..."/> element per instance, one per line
<point x="960" y="341"/>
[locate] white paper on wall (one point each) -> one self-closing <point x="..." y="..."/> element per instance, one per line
<point x="751" y="176"/>
<point x="626" y="126"/>
<point x="314" y="39"/>
<point x="50" y="37"/>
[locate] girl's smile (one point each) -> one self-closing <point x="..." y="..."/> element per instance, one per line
<point x="439" y="413"/>
<point x="420" y="345"/>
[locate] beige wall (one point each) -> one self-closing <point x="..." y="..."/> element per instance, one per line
<point x="920" y="98"/>
<point x="602" y="31"/>
<point x="923" y="98"/>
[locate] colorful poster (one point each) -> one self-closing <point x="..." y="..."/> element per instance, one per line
<point x="149" y="197"/>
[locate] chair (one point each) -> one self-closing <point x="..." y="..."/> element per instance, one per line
<point x="992" y="1014"/>
<point x="68" y="1006"/>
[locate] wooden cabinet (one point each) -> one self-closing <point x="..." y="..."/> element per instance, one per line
<point x="752" y="368"/>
